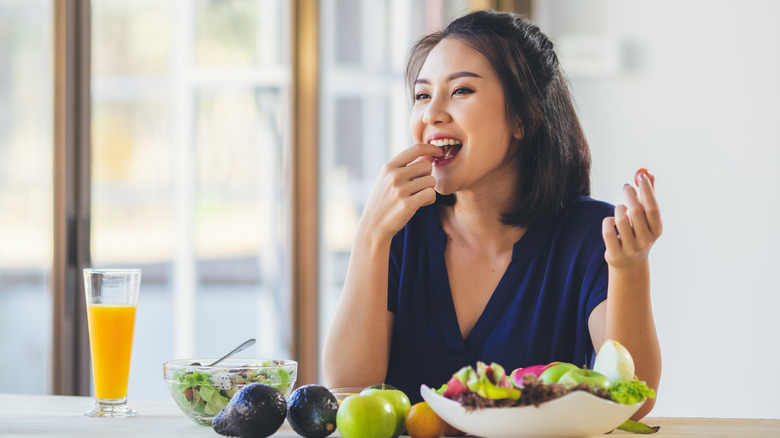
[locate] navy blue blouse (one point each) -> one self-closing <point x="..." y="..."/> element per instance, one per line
<point x="537" y="314"/>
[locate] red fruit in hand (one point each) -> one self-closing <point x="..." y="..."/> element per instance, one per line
<point x="647" y="174"/>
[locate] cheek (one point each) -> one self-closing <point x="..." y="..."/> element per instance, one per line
<point x="416" y="126"/>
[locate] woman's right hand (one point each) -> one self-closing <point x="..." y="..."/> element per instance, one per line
<point x="404" y="184"/>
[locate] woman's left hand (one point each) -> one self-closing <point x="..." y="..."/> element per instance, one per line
<point x="630" y="234"/>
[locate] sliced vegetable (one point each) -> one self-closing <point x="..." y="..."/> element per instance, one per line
<point x="492" y="382"/>
<point x="637" y="427"/>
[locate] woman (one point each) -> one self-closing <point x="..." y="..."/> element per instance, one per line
<point x="479" y="241"/>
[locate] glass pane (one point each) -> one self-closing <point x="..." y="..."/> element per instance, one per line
<point x="26" y="138"/>
<point x="364" y="115"/>
<point x="226" y="32"/>
<point x="188" y="178"/>
<point x="363" y="118"/>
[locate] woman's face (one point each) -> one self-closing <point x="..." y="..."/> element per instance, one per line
<point x="459" y="106"/>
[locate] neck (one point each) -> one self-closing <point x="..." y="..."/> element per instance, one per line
<point x="475" y="222"/>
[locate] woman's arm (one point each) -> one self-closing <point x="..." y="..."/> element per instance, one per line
<point x="627" y="315"/>
<point x="357" y="347"/>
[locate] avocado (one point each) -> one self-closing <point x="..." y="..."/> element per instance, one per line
<point x="312" y="411"/>
<point x="222" y="425"/>
<point x="256" y="411"/>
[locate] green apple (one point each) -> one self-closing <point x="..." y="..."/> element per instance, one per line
<point x="554" y="373"/>
<point x="614" y="361"/>
<point x="366" y="416"/>
<point x="594" y="379"/>
<point x="398" y="399"/>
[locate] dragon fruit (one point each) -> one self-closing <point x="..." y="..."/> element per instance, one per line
<point x="223" y="381"/>
<point x="488" y="381"/>
<point x="536" y="370"/>
<point x="457" y="383"/>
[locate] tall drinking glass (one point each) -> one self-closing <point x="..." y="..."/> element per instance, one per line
<point x="112" y="297"/>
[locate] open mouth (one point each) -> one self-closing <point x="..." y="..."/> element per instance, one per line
<point x="449" y="147"/>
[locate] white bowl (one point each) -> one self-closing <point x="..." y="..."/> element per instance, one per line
<point x="575" y="415"/>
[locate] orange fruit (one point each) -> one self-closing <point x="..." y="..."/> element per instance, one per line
<point x="422" y="422"/>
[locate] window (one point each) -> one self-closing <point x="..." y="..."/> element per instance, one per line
<point x="364" y="114"/>
<point x="26" y="109"/>
<point x="190" y="144"/>
<point x="189" y="141"/>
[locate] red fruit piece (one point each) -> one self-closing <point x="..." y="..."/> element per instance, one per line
<point x="455" y="388"/>
<point x="647" y="174"/>
<point x="517" y="375"/>
<point x="536" y="370"/>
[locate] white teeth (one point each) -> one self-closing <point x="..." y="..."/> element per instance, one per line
<point x="445" y="142"/>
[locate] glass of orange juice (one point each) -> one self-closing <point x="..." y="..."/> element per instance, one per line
<point x="112" y="297"/>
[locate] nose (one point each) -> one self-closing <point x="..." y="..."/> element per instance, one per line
<point x="436" y="112"/>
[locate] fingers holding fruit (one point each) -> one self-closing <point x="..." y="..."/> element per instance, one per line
<point x="629" y="235"/>
<point x="646" y="185"/>
<point x="642" y="174"/>
<point x="403" y="185"/>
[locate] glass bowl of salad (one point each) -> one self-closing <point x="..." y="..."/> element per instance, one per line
<point x="201" y="391"/>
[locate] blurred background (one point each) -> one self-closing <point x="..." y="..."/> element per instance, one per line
<point x="191" y="168"/>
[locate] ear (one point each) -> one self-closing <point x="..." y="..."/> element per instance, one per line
<point x="519" y="131"/>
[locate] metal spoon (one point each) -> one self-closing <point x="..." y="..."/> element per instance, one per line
<point x="232" y="352"/>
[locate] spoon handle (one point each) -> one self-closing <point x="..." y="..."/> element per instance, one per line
<point x="246" y="344"/>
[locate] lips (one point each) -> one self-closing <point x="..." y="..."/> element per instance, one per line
<point x="449" y="147"/>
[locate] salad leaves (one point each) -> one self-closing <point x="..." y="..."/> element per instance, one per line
<point x="630" y="392"/>
<point x="196" y="392"/>
<point x="488" y="386"/>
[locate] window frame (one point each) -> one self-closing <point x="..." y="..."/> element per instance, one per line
<point x="71" y="193"/>
<point x="70" y="365"/>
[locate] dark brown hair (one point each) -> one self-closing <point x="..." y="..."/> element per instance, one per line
<point x="553" y="158"/>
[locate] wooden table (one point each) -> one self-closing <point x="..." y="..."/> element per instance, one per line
<point x="62" y="416"/>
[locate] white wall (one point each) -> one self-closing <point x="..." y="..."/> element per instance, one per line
<point x="695" y="97"/>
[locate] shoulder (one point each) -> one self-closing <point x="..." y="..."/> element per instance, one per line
<point x="586" y="209"/>
<point x="580" y="224"/>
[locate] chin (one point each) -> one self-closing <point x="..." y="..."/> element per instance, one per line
<point x="442" y="187"/>
<point x="444" y="191"/>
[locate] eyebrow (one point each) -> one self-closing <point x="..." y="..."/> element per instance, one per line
<point x="452" y="77"/>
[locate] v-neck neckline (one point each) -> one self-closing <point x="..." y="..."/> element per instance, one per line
<point x="526" y="248"/>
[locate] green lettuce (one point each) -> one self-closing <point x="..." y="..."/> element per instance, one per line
<point x="206" y="399"/>
<point x="214" y="401"/>
<point x="629" y="393"/>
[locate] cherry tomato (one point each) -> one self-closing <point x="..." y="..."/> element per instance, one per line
<point x="647" y="174"/>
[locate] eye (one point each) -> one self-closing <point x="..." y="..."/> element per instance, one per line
<point x="462" y="91"/>
<point x="421" y="96"/>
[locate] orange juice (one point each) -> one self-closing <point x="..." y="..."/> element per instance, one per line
<point x="111" y="341"/>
